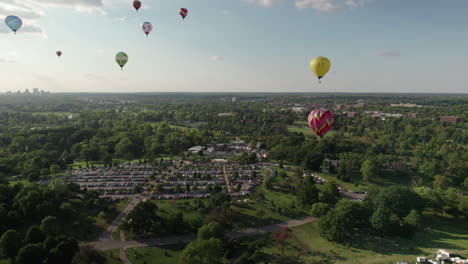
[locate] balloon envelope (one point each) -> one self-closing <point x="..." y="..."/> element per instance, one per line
<point x="59" y="53"/>
<point x="320" y="66"/>
<point x="147" y="27"/>
<point x="121" y="58"/>
<point x="321" y="121"/>
<point x="136" y="4"/>
<point x="13" y="22"/>
<point x="183" y="12"/>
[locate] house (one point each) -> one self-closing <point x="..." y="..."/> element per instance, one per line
<point x="413" y="115"/>
<point x="195" y="149"/>
<point x="351" y="114"/>
<point x="446" y="253"/>
<point x="458" y="260"/>
<point x="449" y="119"/>
<point x="442" y="257"/>
<point x="421" y="259"/>
<point x="298" y="109"/>
<point x="433" y="261"/>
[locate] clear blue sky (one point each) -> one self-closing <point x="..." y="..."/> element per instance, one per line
<point x="236" y="45"/>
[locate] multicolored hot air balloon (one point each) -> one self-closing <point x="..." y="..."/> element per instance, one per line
<point x="183" y="12"/>
<point x="121" y="58"/>
<point x="320" y="66"/>
<point x="136" y="4"/>
<point x="13" y="22"/>
<point x="321" y="121"/>
<point x="147" y="27"/>
<point x="59" y="53"/>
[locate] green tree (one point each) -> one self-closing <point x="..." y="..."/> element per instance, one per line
<point x="211" y="230"/>
<point x="34" y="235"/>
<point x="319" y="209"/>
<point x="440" y="182"/>
<point x="411" y="223"/>
<point x="50" y="226"/>
<point x="370" y="170"/>
<point x="330" y="193"/>
<point x="306" y="193"/>
<point x="30" y="254"/>
<point x="10" y="243"/>
<point x="338" y="224"/>
<point x="143" y="219"/>
<point x="88" y="255"/>
<point x="55" y="168"/>
<point x="124" y="149"/>
<point x="381" y="220"/>
<point x="203" y="252"/>
<point x="465" y="184"/>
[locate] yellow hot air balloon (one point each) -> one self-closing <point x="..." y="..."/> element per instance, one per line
<point x="320" y="66"/>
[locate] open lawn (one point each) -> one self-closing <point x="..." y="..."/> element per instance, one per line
<point x="306" y="241"/>
<point x="113" y="256"/>
<point x="304" y="130"/>
<point x="181" y="128"/>
<point x="276" y="207"/>
<point x="24" y="182"/>
<point x="155" y="255"/>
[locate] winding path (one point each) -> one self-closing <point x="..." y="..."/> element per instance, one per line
<point x="107" y="244"/>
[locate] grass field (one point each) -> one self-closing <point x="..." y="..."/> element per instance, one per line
<point x="155" y="255"/>
<point x="275" y="199"/>
<point x="113" y="256"/>
<point x="306" y="241"/>
<point x="181" y="128"/>
<point x="305" y="130"/>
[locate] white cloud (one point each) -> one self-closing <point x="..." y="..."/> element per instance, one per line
<point x="226" y="12"/>
<point x="29" y="13"/>
<point x="321" y="5"/>
<point x="93" y="77"/>
<point x="264" y="3"/>
<point x="216" y="58"/>
<point x="330" y="5"/>
<point x="389" y="54"/>
<point x="79" y="5"/>
<point x="356" y="3"/>
<point x="3" y="60"/>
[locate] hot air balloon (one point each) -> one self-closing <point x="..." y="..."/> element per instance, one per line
<point x="321" y="121"/>
<point x="121" y="58"/>
<point x="59" y="53"/>
<point x="183" y="13"/>
<point x="13" y="22"/>
<point x="320" y="66"/>
<point x="147" y="27"/>
<point x="136" y="4"/>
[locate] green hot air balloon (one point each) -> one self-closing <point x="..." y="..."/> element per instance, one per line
<point x="121" y="58"/>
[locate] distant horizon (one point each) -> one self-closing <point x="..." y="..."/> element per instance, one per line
<point x="259" y="92"/>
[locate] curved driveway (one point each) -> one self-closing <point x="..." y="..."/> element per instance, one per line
<point x="107" y="244"/>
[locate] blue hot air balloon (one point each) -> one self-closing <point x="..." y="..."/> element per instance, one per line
<point x="13" y="22"/>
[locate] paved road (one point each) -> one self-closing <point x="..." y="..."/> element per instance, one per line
<point x="161" y="241"/>
<point x="107" y="234"/>
<point x="226" y="179"/>
<point x="123" y="256"/>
